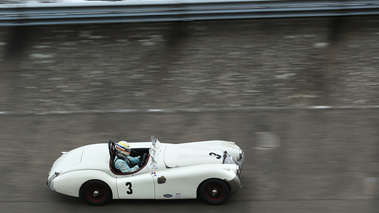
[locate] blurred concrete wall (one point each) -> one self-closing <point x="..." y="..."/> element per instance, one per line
<point x="270" y="62"/>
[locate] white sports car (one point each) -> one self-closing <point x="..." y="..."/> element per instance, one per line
<point x="209" y="170"/>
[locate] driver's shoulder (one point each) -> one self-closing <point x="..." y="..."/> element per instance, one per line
<point x="119" y="160"/>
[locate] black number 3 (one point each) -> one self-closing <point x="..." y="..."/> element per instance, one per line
<point x="129" y="185"/>
<point x="217" y="156"/>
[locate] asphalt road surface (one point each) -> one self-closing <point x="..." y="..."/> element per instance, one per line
<point x="296" y="160"/>
<point x="241" y="80"/>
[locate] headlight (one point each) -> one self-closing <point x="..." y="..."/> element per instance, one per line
<point x="230" y="160"/>
<point x="238" y="171"/>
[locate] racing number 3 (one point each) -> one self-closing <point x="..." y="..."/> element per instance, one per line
<point x="130" y="190"/>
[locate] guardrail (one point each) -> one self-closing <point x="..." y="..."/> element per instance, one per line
<point x="190" y="10"/>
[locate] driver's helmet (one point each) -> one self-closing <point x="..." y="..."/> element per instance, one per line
<point x="123" y="148"/>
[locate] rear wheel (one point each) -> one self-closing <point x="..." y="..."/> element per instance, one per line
<point x="96" y="192"/>
<point x="214" y="191"/>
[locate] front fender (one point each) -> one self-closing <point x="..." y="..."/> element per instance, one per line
<point x="183" y="182"/>
<point x="235" y="184"/>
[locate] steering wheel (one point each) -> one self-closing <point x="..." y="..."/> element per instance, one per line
<point x="142" y="161"/>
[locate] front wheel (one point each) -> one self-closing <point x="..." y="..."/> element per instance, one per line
<point x="96" y="192"/>
<point x="214" y="191"/>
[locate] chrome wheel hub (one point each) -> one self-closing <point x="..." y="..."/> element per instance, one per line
<point x="214" y="192"/>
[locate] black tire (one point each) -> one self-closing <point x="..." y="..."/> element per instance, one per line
<point x="214" y="191"/>
<point x="96" y="192"/>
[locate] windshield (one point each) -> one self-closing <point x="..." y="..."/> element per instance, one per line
<point x="152" y="153"/>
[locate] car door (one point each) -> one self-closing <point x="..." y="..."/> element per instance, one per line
<point x="137" y="185"/>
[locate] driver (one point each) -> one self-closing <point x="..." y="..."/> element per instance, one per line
<point x="123" y="161"/>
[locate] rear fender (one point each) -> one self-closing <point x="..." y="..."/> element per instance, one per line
<point x="70" y="183"/>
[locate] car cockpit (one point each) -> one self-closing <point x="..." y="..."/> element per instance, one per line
<point x="142" y="152"/>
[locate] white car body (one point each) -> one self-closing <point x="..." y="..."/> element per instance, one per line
<point x="171" y="171"/>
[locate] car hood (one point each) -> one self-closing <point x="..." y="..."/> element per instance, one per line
<point x="191" y="154"/>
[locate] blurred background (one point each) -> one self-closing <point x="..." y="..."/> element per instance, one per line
<point x="299" y="95"/>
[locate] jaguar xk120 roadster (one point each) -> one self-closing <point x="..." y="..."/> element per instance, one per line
<point x="208" y="170"/>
